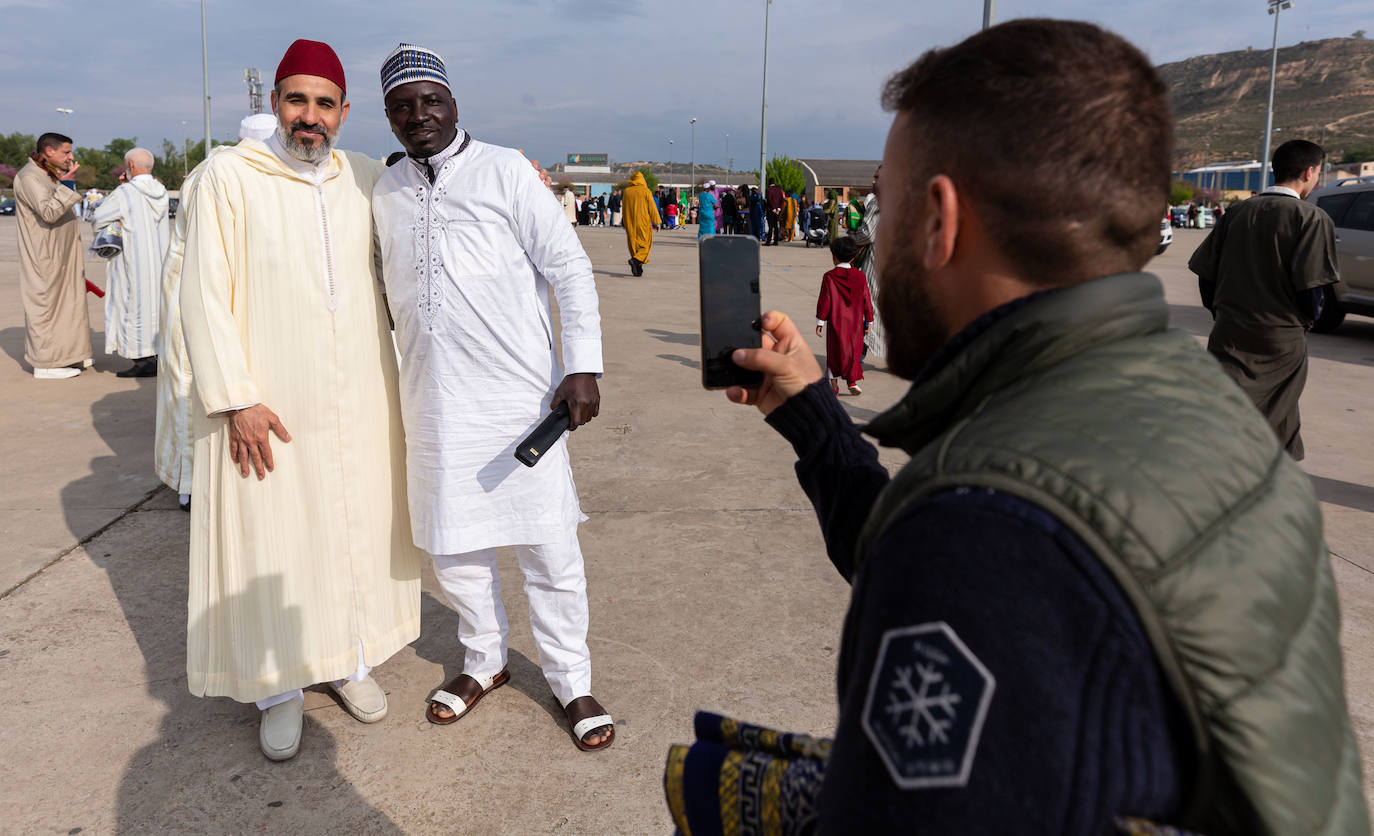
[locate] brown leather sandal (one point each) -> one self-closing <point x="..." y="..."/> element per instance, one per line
<point x="448" y="696"/>
<point x="585" y="715"/>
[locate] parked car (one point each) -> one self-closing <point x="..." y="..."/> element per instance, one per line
<point x="172" y="204"/>
<point x="1178" y="215"/>
<point x="1166" y="235"/>
<point x="6" y="206"/>
<point x="1350" y="203"/>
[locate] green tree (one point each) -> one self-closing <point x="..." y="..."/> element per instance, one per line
<point x="1358" y="155"/>
<point x="1181" y="191"/>
<point x="650" y="179"/>
<point x="16" y="148"/>
<point x="786" y="172"/>
<point x="1358" y="33"/>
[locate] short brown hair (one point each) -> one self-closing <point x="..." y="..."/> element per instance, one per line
<point x="1058" y="132"/>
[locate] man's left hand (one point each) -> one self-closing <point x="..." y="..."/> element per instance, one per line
<point x="583" y="397"/>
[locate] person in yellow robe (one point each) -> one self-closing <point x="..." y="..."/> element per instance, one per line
<point x="789" y="218"/>
<point x="302" y="565"/>
<point x="640" y="218"/>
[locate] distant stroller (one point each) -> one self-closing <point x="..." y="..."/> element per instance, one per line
<point x="818" y="231"/>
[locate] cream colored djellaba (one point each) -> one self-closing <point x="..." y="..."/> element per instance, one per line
<point x="281" y="305"/>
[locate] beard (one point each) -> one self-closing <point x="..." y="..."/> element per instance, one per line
<point x="908" y="312"/>
<point x="312" y="154"/>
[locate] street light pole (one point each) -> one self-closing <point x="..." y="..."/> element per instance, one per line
<point x="66" y="119"/>
<point x="1274" y="7"/>
<point x="692" y="184"/>
<point x="763" y="115"/>
<point x="670" y="158"/>
<point x="727" y="158"/>
<point x="205" y="76"/>
<point x="989" y="13"/>
<point x="185" y="149"/>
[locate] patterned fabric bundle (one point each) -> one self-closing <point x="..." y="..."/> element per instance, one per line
<point x="408" y="63"/>
<point x="744" y="779"/>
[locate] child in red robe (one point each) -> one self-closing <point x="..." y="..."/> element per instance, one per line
<point x="846" y="307"/>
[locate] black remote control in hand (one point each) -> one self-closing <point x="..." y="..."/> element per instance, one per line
<point x="533" y="447"/>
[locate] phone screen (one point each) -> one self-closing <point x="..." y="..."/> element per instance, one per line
<point x="729" y="308"/>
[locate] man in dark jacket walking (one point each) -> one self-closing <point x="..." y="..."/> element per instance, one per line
<point x="1098" y="591"/>
<point x="1262" y="272"/>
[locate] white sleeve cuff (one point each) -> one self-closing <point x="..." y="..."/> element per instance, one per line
<point x="820" y="323"/>
<point x="229" y="409"/>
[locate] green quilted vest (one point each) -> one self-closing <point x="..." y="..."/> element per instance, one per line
<point x="1083" y="403"/>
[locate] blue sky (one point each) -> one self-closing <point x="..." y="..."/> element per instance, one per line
<point x="562" y="76"/>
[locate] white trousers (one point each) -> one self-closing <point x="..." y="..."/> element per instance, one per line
<point x="556" y="586"/>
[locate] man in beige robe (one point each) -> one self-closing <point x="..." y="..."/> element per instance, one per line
<point x="172" y="454"/>
<point x="52" y="281"/>
<point x="304" y="571"/>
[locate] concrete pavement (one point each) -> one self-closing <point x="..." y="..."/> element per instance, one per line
<point x="708" y="582"/>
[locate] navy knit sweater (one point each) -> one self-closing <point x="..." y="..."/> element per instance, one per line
<point x="1080" y="727"/>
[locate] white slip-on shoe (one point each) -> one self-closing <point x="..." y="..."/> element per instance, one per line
<point x="87" y="363"/>
<point x="364" y="699"/>
<point x="55" y="374"/>
<point x="279" y="733"/>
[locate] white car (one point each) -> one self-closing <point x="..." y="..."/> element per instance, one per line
<point x="1166" y="235"/>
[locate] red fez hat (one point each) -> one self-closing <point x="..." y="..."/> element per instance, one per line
<point x="311" y="58"/>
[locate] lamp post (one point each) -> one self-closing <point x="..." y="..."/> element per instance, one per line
<point x="670" y="157"/>
<point x="205" y="76"/>
<point x="185" y="149"/>
<point x="989" y="13"/>
<point x="763" y="114"/>
<point x="1275" y="6"/>
<point x="727" y="158"/>
<point x="692" y="184"/>
<point x="66" y="119"/>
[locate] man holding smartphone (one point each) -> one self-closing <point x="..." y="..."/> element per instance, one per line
<point x="1098" y="591"/>
<point x="472" y="241"/>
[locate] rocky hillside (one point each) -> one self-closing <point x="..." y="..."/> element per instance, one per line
<point x="1324" y="92"/>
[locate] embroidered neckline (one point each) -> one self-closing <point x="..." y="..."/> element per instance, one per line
<point x="429" y="224"/>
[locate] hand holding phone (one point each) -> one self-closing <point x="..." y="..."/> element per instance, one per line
<point x="784" y="361"/>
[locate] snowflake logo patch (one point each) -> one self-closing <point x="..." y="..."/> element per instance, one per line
<point x="926" y="704"/>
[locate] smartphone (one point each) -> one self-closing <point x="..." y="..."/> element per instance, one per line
<point x="729" y="266"/>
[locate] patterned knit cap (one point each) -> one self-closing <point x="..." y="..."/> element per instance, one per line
<point x="407" y="63"/>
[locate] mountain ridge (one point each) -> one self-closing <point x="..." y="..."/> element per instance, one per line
<point x="1324" y="91"/>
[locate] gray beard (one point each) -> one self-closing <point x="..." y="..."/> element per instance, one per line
<point x="305" y="153"/>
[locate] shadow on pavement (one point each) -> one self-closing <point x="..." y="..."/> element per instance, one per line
<point x="673" y="337"/>
<point x="12" y="342"/>
<point x="1348" y="494"/>
<point x="205" y="771"/>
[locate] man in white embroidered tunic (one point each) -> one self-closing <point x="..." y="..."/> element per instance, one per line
<point x="132" y="300"/>
<point x="308" y="574"/>
<point x="471" y="243"/>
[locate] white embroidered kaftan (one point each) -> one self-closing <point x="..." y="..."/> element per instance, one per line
<point x="468" y="262"/>
<point x="133" y="297"/>
<point x="281" y="306"/>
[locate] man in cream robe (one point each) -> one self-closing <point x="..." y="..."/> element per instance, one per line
<point x="132" y="300"/>
<point x="172" y="454"/>
<point x="472" y="242"/>
<point x="52" y="281"/>
<point x="305" y="572"/>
